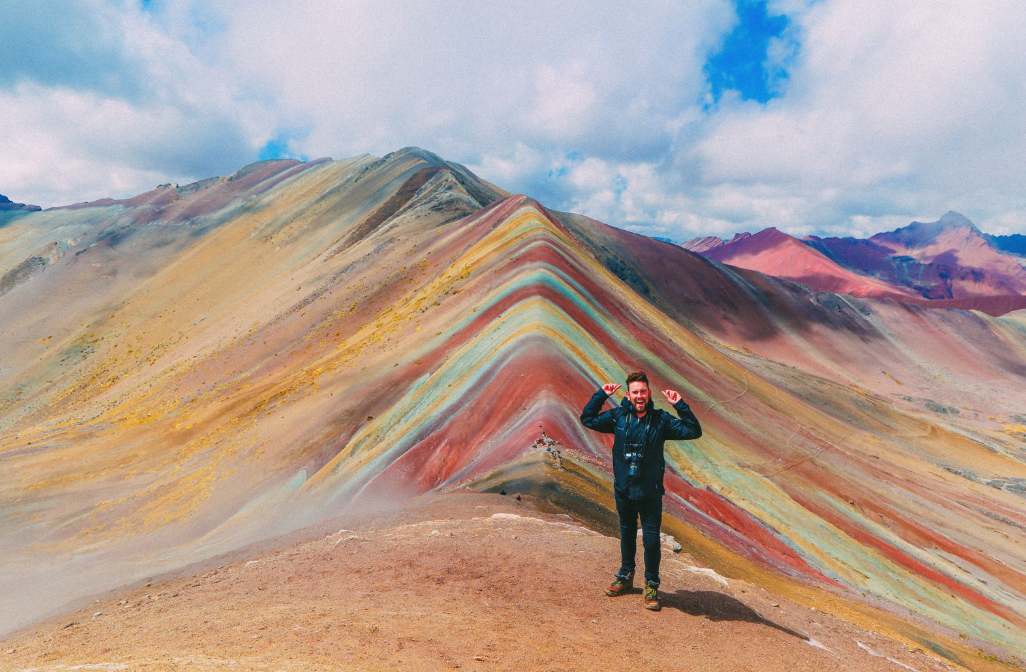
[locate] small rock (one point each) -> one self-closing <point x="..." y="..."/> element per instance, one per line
<point x="434" y="533"/>
<point x="99" y="613"/>
<point x="9" y="651"/>
<point x="343" y="540"/>
<point x="711" y="574"/>
<point x="775" y="604"/>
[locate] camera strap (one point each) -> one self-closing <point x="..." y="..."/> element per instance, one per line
<point x="641" y="426"/>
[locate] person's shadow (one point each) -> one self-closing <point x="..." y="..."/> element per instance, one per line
<point x="719" y="607"/>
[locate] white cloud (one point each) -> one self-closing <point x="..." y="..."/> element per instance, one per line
<point x="473" y="76"/>
<point x="909" y="109"/>
<point x="889" y="111"/>
<point x="74" y="136"/>
<point x="65" y="146"/>
<point x="564" y="102"/>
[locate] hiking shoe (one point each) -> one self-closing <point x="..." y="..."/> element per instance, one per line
<point x="620" y="585"/>
<point x="652" y="597"/>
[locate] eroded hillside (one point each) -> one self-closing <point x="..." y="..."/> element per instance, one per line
<point x="204" y="367"/>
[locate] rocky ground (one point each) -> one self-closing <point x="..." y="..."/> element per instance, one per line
<point x="457" y="582"/>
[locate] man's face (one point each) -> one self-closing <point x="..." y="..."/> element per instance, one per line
<point x="639" y="395"/>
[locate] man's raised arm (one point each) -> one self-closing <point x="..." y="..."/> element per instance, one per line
<point x="590" y="416"/>
<point x="687" y="426"/>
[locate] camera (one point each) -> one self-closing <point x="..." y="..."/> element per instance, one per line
<point x="633" y="456"/>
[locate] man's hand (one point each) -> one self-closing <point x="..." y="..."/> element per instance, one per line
<point x="609" y="388"/>
<point x="672" y="396"/>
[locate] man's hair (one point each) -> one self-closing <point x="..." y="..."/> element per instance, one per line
<point x="638" y="377"/>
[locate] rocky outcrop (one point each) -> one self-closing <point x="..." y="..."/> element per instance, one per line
<point x="6" y="205"/>
<point x="30" y="267"/>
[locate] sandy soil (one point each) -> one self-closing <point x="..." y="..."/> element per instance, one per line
<point x="461" y="581"/>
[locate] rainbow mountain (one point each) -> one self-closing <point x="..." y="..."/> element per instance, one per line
<point x="202" y="367"/>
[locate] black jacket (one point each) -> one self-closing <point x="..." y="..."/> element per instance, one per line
<point x="644" y="435"/>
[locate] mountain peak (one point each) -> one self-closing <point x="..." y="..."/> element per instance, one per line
<point x="417" y="152"/>
<point x="703" y="244"/>
<point x="772" y="233"/>
<point x="919" y="234"/>
<point x="955" y="220"/>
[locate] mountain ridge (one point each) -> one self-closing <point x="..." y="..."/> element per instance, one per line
<point x="7" y="205"/>
<point x="949" y="260"/>
<point x="198" y="374"/>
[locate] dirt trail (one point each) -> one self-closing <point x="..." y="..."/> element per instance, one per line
<point x="467" y="582"/>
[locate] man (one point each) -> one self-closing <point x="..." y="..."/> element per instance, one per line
<point x="639" y="430"/>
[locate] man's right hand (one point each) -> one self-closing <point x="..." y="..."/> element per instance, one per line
<point x="609" y="388"/>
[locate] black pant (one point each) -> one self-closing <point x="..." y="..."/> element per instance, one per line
<point x="650" y="510"/>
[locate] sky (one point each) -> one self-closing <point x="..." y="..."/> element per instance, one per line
<point x="673" y="119"/>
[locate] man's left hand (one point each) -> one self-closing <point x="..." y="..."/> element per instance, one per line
<point x="672" y="396"/>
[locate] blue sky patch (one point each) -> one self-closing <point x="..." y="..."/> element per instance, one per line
<point x="741" y="64"/>
<point x="558" y="172"/>
<point x="278" y="148"/>
<point x="619" y="185"/>
<point x="570" y="159"/>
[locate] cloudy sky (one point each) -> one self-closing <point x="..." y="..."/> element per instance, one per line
<point x="676" y="119"/>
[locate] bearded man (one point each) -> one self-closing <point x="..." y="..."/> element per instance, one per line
<point x="639" y="431"/>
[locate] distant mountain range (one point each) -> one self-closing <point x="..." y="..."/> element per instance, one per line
<point x="948" y="261"/>
<point x="7" y="205"/>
